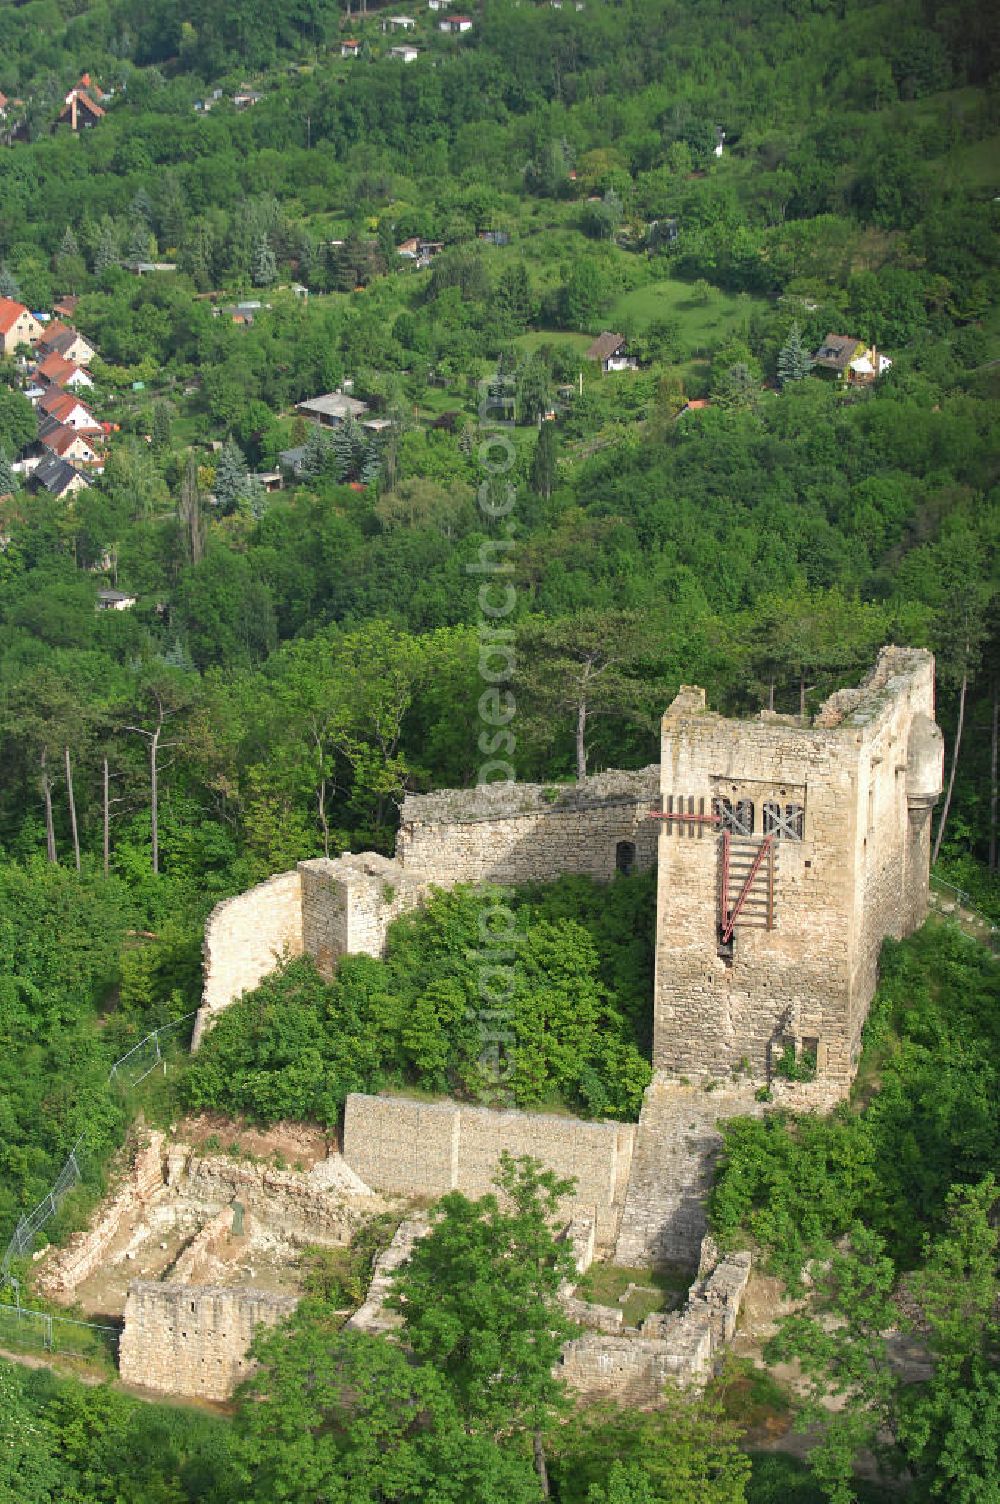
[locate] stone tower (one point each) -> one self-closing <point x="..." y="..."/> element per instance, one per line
<point x="788" y="851"/>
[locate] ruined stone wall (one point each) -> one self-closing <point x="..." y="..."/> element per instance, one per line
<point x="853" y="876"/>
<point x="525" y="832"/>
<point x="66" y="1268"/>
<point x="676" y="1149"/>
<point x="682" y="1347"/>
<point x="245" y="938"/>
<point x="193" y="1340"/>
<point x="416" y="1148"/>
<point x="349" y="903"/>
<point x="325" y="1205"/>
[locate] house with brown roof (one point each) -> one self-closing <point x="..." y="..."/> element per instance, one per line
<point x="53" y="370"/>
<point x="65" y="408"/>
<point x="18" y="326"/>
<point x="81" y="109"/>
<point x="849" y="359"/>
<point x="67" y="444"/>
<point x="612" y="352"/>
<point x="350" y="47"/>
<point x="60" y="339"/>
<point x="455" y="23"/>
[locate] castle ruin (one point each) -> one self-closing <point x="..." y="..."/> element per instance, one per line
<point x="786" y="849"/>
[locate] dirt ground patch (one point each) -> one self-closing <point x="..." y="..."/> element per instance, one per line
<point x="299" y="1145"/>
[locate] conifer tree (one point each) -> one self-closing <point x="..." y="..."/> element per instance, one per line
<point x="543" y="465"/>
<point x="372" y="464"/>
<point x="8" y="480"/>
<point x="69" y="245"/>
<point x="140" y="242"/>
<point x="348" y="446"/>
<point x="316" y="459"/>
<point x="161" y="427"/>
<point x="106" y="254"/>
<point x="230" y="477"/>
<point x="794" y="360"/>
<point x="253" y="497"/>
<point x="8" y="283"/>
<point x="264" y="268"/>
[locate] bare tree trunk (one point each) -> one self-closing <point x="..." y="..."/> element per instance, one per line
<point x="154" y="807"/>
<point x="954" y="764"/>
<point x="72" y="810"/>
<point x="541" y="1467"/>
<point x="50" y="830"/>
<point x="802" y="696"/>
<point x="994" y="740"/>
<point x="581" y="738"/>
<point x="107" y="821"/>
<point x="324" y="822"/>
<point x="770" y="695"/>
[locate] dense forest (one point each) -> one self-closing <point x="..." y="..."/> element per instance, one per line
<point x="724" y="186"/>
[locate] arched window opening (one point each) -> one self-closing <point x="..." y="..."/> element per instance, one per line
<point x="625" y="858"/>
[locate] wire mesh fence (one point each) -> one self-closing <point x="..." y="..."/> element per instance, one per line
<point x="964" y="913"/>
<point x="25" y="1330"/>
<point x="126" y="1073"/>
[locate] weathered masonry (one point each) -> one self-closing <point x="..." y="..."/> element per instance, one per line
<point x="499" y="833"/>
<point x="409" y="1148"/>
<point x="787" y="853"/>
<point x="193" y="1339"/>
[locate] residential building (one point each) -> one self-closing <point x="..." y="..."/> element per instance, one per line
<point x="332" y="409"/>
<point x="612" y="352"/>
<point x="115" y="600"/>
<point x="404" y="54"/>
<point x="57" y="477"/>
<point x="68" y="410"/>
<point x="67" y="444"/>
<point x="350" y="47"/>
<point x="81" y="109"/>
<point x="18" y="326"/>
<point x="850" y="360"/>
<point x="455" y="24"/>
<point x="59" y="339"/>
<point x="53" y="370"/>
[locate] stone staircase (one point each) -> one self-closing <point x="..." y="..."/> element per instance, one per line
<point x="676" y="1147"/>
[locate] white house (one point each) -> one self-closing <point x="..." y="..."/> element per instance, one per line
<point x="115" y="600"/>
<point x="612" y="352"/>
<point x="455" y="23"/>
<point x="404" y="54"/>
<point x="400" y="23"/>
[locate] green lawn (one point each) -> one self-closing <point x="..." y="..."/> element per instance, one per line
<point x="976" y="165"/>
<point x="538" y="337"/>
<point x="703" y="324"/>
<point x="660" y="1289"/>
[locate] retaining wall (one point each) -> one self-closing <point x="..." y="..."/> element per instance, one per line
<point x="415" y="1148"/>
